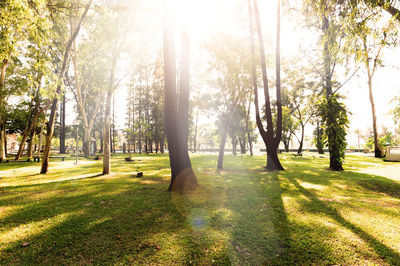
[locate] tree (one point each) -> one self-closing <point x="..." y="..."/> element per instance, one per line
<point x="319" y="138"/>
<point x="332" y="21"/>
<point x="303" y="101"/>
<point x="390" y="6"/>
<point x="271" y="136"/>
<point x="229" y="63"/>
<point x="50" y="125"/>
<point x="289" y="126"/>
<point x="396" y="112"/>
<point x="367" y="44"/>
<point x="87" y="85"/>
<point x="19" y="20"/>
<point x="176" y="110"/>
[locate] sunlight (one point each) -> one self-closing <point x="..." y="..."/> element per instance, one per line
<point x="26" y="231"/>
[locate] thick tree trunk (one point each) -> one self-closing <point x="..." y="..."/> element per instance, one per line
<point x="270" y="139"/>
<point x="176" y="120"/>
<point x="50" y="128"/>
<point x="273" y="162"/>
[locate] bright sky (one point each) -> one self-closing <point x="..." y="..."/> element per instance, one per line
<point x="207" y="16"/>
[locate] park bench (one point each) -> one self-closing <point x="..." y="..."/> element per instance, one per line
<point x="58" y="157"/>
<point x="297" y="154"/>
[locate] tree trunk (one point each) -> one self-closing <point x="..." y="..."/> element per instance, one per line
<point x="300" y="150"/>
<point x="320" y="145"/>
<point x="378" y="151"/>
<point x="50" y="128"/>
<point x="101" y="140"/>
<point x="242" y="143"/>
<point x="40" y="140"/>
<point x="107" y="120"/>
<point x="162" y="140"/>
<point x="86" y="143"/>
<point x="334" y="163"/>
<point x="195" y="133"/>
<point x="270" y="139"/>
<point x="140" y="117"/>
<point x="30" y="127"/>
<point x="234" y="146"/>
<point x="30" y="144"/>
<point x="222" y="150"/>
<point x="2" y="142"/>
<point x="3" y="135"/>
<point x="62" y="127"/>
<point x="21" y="145"/>
<point x="286" y="144"/>
<point x="113" y="126"/>
<point x="107" y="135"/>
<point x="273" y="162"/>
<point x="176" y="120"/>
<point x="225" y="128"/>
<point x="5" y="142"/>
<point x="248" y="130"/>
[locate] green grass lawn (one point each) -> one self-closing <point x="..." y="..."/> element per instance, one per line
<point x="242" y="215"/>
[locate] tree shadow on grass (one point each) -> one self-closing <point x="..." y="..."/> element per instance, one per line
<point x="386" y="252"/>
<point x="96" y="227"/>
<point x="272" y="236"/>
<point x="381" y="185"/>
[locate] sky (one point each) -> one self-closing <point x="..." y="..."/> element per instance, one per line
<point x="202" y="18"/>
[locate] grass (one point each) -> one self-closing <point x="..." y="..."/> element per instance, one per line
<point x="241" y="215"/>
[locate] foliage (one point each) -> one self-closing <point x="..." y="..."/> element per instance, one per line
<point x="319" y="138"/>
<point x="334" y="123"/>
<point x="396" y="109"/>
<point x="385" y="140"/>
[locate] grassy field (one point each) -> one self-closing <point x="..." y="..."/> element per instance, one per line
<point x="242" y="215"/>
